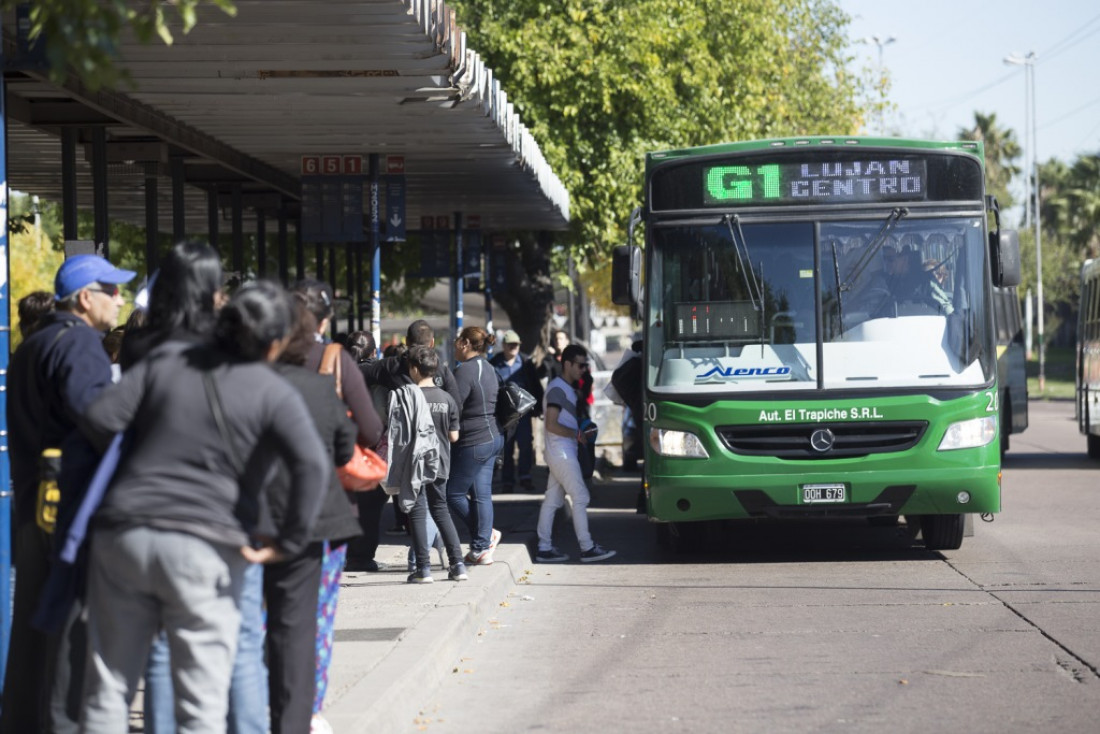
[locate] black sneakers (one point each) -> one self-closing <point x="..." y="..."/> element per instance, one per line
<point x="596" y="553"/>
<point x="551" y="556"/>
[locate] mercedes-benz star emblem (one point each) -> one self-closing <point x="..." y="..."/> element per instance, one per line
<point x="822" y="440"/>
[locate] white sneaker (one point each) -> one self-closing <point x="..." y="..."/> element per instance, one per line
<point x="494" y="538"/>
<point x="318" y="725"/>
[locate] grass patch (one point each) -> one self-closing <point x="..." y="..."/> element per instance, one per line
<point x="1059" y="367"/>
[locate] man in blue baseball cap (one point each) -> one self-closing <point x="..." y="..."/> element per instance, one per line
<point x="80" y="279"/>
<point x="56" y="372"/>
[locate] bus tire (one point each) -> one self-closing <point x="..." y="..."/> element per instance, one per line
<point x="943" y="532"/>
<point x="1094" y="446"/>
<point x="686" y="537"/>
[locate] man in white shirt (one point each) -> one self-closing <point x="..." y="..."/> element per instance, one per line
<point x="562" y="439"/>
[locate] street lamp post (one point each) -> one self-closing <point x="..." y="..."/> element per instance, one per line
<point x="1028" y="62"/>
<point x="880" y="42"/>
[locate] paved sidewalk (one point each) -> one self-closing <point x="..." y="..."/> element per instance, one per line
<point x="395" y="641"/>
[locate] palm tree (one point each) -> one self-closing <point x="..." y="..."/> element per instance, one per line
<point x="1001" y="152"/>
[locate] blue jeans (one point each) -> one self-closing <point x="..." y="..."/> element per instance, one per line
<point x="470" y="489"/>
<point x="248" y="692"/>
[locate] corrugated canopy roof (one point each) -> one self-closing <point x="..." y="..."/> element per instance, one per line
<point x="242" y="99"/>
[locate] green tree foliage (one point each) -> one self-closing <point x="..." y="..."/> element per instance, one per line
<point x="600" y="83"/>
<point x="81" y="36"/>
<point x="1070" y="221"/>
<point x="1001" y="153"/>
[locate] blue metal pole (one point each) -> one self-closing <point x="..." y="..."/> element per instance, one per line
<point x="5" y="347"/>
<point x="376" y="255"/>
<point x="460" y="268"/>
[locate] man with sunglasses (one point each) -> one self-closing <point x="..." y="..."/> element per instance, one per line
<point x="563" y="437"/>
<point x="54" y="375"/>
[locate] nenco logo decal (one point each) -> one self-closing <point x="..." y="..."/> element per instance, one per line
<point x="806" y="415"/>
<point x="725" y="373"/>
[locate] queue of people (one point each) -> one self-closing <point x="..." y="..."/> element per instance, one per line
<point x="200" y="456"/>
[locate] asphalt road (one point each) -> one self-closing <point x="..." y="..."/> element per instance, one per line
<point x="810" y="628"/>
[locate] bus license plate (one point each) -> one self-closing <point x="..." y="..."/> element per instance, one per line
<point x="813" y="494"/>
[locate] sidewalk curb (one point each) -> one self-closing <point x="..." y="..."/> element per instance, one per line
<point x="389" y="696"/>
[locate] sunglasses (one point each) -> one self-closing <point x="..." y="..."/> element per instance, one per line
<point x="109" y="289"/>
<point x="582" y="365"/>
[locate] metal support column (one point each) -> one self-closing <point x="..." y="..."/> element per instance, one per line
<point x="5" y="347"/>
<point x="349" y="253"/>
<point x="237" y="217"/>
<point x="299" y="251"/>
<point x="284" y="270"/>
<point x="179" y="202"/>
<point x="487" y="255"/>
<point x="261" y="244"/>
<point x="332" y="269"/>
<point x="212" y="216"/>
<point x="460" y="281"/>
<point x="152" y="219"/>
<point x="376" y="254"/>
<point x="69" y="217"/>
<point x="99" y="191"/>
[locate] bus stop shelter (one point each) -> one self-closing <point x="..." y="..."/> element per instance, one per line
<point x="220" y="132"/>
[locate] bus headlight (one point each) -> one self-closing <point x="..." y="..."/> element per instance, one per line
<point x="969" y="434"/>
<point x="677" y="443"/>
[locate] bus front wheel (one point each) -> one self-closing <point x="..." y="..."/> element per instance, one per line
<point x="942" y="532"/>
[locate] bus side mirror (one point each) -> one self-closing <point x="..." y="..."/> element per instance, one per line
<point x="1005" y="262"/>
<point x="626" y="277"/>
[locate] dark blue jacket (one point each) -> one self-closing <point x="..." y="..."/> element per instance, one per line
<point x="54" y="375"/>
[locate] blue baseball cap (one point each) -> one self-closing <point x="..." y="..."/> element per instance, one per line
<point x="80" y="271"/>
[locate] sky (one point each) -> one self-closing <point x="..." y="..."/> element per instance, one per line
<point x="947" y="61"/>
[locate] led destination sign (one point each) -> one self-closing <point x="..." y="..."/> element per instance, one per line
<point x="849" y="181"/>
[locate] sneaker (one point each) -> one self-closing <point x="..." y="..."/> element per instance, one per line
<point x="318" y="725"/>
<point x="494" y="538"/>
<point x="596" y="553"/>
<point x="422" y="576"/>
<point x="373" y="566"/>
<point x="480" y="558"/>
<point x="551" y="556"/>
<point x="458" y="573"/>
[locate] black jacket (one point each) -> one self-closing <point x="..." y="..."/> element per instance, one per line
<point x="180" y="474"/>
<point x="337" y="431"/>
<point x="54" y="375"/>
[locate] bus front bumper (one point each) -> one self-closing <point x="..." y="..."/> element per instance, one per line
<point x="687" y="498"/>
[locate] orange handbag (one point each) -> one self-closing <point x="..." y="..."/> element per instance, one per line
<point x="366" y="470"/>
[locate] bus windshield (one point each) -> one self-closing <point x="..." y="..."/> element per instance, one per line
<point x="896" y="302"/>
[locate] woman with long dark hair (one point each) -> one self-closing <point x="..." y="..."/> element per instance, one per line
<point x="470" y="484"/>
<point x="174" y="533"/>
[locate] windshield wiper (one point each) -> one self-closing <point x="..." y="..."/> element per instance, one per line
<point x="872" y="249"/>
<point x="839" y="288"/>
<point x="752" y="283"/>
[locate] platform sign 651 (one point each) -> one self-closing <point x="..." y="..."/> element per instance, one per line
<point x="332" y="165"/>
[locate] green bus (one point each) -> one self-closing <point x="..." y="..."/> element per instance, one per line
<point x="1011" y="363"/>
<point x="1087" y="370"/>
<point x="819" y="334"/>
